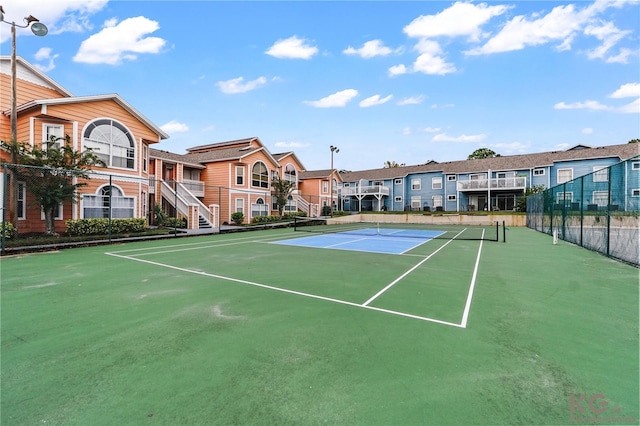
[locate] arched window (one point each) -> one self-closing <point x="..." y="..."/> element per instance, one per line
<point x="110" y="141"/>
<point x="290" y="173"/>
<point x="259" y="208"/>
<point x="108" y="198"/>
<point x="259" y="175"/>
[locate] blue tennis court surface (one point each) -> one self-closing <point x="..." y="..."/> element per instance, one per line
<point x="389" y="241"/>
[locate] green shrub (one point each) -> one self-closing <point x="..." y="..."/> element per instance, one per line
<point x="259" y="220"/>
<point x="291" y="215"/>
<point x="237" y="218"/>
<point x="100" y="226"/>
<point x="8" y="229"/>
<point x="175" y="222"/>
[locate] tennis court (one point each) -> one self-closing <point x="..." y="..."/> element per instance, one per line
<point x="281" y="327"/>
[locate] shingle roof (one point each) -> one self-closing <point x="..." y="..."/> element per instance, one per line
<point x="245" y="141"/>
<point x="505" y="163"/>
<point x="314" y="174"/>
<point x="178" y="158"/>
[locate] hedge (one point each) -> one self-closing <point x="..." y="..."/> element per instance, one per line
<point x="8" y="228"/>
<point x="100" y="226"/>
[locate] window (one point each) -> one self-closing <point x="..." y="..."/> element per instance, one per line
<point x="600" y="198"/>
<point x="565" y="175"/>
<point x="346" y="185"/>
<point x="416" y="184"/>
<point x="377" y="183"/>
<point x="145" y="157"/>
<point x="398" y="181"/>
<point x="564" y="198"/>
<point x="144" y="204"/>
<point x="290" y="173"/>
<point x="451" y="198"/>
<point x="325" y="186"/>
<point x="112" y="142"/>
<point x="239" y="205"/>
<point x="398" y="199"/>
<point x="635" y="165"/>
<point x="260" y="175"/>
<point x="600" y="174"/>
<point x="21" y="200"/>
<point x="239" y="175"/>
<point x="259" y="208"/>
<point x="437" y="200"/>
<point x="451" y="178"/>
<point x="436" y="183"/>
<point x="50" y="131"/>
<point x="538" y="172"/>
<point x="635" y="192"/>
<point x="416" y="201"/>
<point x="108" y="198"/>
<point x="57" y="214"/>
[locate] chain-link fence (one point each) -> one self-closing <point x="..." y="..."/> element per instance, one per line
<point x="599" y="211"/>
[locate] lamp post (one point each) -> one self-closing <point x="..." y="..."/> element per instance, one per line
<point x="336" y="150"/>
<point x="38" y="29"/>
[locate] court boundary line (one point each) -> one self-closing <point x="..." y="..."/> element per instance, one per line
<point x="284" y="290"/>
<point x="467" y="306"/>
<point x="394" y="282"/>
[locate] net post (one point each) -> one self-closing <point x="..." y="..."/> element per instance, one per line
<point x="504" y="232"/>
<point x="497" y="238"/>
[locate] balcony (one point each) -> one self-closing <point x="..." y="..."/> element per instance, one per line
<point x="196" y="187"/>
<point x="362" y="191"/>
<point x="497" y="184"/>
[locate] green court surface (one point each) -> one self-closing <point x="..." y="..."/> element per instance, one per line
<point x="234" y="329"/>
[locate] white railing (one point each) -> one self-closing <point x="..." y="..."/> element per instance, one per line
<point x="519" y="182"/>
<point x="365" y="190"/>
<point x="185" y="202"/>
<point x="152" y="184"/>
<point x="184" y="192"/>
<point x="310" y="209"/>
<point x="196" y="187"/>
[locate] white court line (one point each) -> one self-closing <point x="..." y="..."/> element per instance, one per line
<point x="284" y="290"/>
<point x="378" y="294"/>
<point x="467" y="306"/>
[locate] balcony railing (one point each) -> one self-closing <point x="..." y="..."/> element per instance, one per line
<point x="365" y="190"/>
<point x="519" y="182"/>
<point x="196" y="187"/>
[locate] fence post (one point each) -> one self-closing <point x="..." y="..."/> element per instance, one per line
<point x="110" y="206"/>
<point x="581" y="209"/>
<point x="4" y="207"/>
<point x="608" y="208"/>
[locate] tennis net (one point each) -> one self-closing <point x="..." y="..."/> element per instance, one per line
<point x="487" y="232"/>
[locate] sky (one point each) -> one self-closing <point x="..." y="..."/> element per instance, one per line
<point x="406" y="82"/>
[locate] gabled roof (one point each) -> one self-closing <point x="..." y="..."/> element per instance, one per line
<point x="83" y="99"/>
<point x="504" y="163"/>
<point x="318" y="174"/>
<point x="26" y="71"/>
<point x="283" y="155"/>
<point x="246" y="142"/>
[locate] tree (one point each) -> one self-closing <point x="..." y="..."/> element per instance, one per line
<point x="634" y="141"/>
<point x="521" y="202"/>
<point x="482" y="153"/>
<point x="282" y="189"/>
<point x="391" y="164"/>
<point x="49" y="171"/>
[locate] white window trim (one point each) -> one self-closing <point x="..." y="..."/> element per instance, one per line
<point x="416" y="202"/>
<point x="598" y="196"/>
<point x="45" y="126"/>
<point x="436" y="201"/>
<point x="398" y="181"/>
<point x="416" y="184"/>
<point x="452" y="197"/>
<point x="635" y="165"/>
<point x="451" y="178"/>
<point x="21" y="215"/>
<point x="325" y="186"/>
<point x="346" y="185"/>
<point x="597" y="176"/>
<point x="635" y="192"/>
<point x="539" y="172"/>
<point x="240" y="169"/>
<point x="558" y="176"/>
<point x="397" y="199"/>
<point x="239" y="207"/>
<point x="436" y="183"/>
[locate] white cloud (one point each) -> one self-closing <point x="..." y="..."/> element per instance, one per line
<point x="291" y="144"/>
<point x="628" y="90"/>
<point x="406" y="131"/>
<point x="412" y="100"/>
<point x="430" y="60"/>
<point x="120" y="41"/>
<point x="59" y="16"/>
<point x="431" y="129"/>
<point x="608" y="34"/>
<point x="461" y="19"/>
<point x="370" y="49"/>
<point x="587" y="131"/>
<point x="44" y="54"/>
<point x="592" y="105"/>
<point x="237" y="85"/>
<point x="374" y="100"/>
<point x="397" y="70"/>
<point x="174" y="127"/>
<point x="292" y="48"/>
<point x="630" y="108"/>
<point x="622" y="57"/>
<point x="560" y="25"/>
<point x="443" y="137"/>
<point x="337" y="100"/>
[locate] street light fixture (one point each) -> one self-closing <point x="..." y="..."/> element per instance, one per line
<point x="38" y="29"/>
<point x="336" y="150"/>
